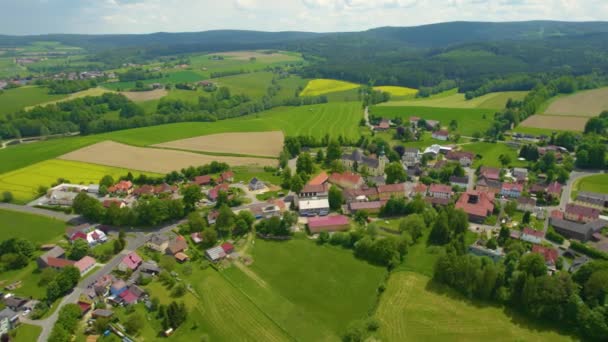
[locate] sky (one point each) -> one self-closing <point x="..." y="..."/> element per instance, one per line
<point x="22" y="17"/>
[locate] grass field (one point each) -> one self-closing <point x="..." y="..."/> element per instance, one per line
<point x="584" y="103"/>
<point x="397" y="92"/>
<point x="490" y="153"/>
<point x="556" y="122"/>
<point x="413" y="309"/>
<point x="23" y="183"/>
<point x="323" y="86"/>
<point x="89" y="92"/>
<point x="469" y="120"/>
<point x="534" y="130"/>
<point x="27" y="333"/>
<point x="239" y="61"/>
<point x="37" y="229"/>
<point x="596" y="183"/>
<point x="313" y="292"/>
<point x="253" y="85"/>
<point x="453" y="99"/>
<point x="8" y="68"/>
<point x="13" y="100"/>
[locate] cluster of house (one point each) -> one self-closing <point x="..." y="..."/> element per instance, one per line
<point x="174" y="245"/>
<point x="55" y="258"/>
<point x="578" y="222"/>
<point x="64" y="194"/>
<point x="14" y="307"/>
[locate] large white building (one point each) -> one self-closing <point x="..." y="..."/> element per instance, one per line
<point x="314" y="207"/>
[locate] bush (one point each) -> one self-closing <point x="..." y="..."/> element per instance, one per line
<point x="7" y="197"/>
<point x="589" y="251"/>
<point x="555" y="237"/>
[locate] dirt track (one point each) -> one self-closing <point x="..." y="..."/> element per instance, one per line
<point x="268" y="144"/>
<point x="557" y="122"/>
<point x="152" y="159"/>
<point x="141" y="96"/>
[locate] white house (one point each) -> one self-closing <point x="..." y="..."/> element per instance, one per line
<point x="313" y="207"/>
<point x="532" y="236"/>
<point x="441" y="135"/>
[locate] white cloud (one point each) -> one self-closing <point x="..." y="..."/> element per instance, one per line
<point x="138" y="16"/>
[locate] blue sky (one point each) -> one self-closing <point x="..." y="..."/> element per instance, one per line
<point x="143" y="16"/>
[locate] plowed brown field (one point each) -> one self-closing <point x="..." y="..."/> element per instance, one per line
<point x="267" y="144"/>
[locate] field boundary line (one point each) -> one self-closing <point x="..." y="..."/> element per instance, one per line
<point x="216" y="154"/>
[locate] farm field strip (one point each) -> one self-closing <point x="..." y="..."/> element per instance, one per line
<point x="323" y="86"/>
<point x="152" y="159"/>
<point x="586" y="103"/>
<point x="13" y="100"/>
<point x="397" y="91"/>
<point x="556" y="122"/>
<point x="413" y="309"/>
<point x="268" y="144"/>
<point x="142" y="96"/>
<point x="23" y="183"/>
<point x="89" y="92"/>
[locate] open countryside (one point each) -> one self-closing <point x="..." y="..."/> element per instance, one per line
<point x="157" y="160"/>
<point x="24" y="183"/>
<point x="556" y="122"/>
<point x="325" y="86"/>
<point x="453" y="99"/>
<point x="583" y="103"/>
<point x="269" y="144"/>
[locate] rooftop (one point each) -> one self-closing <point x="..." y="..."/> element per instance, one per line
<point x="317" y="222"/>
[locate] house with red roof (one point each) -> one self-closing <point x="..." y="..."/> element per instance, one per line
<point x="121" y="188"/>
<point x="388" y="191"/>
<point x="319" y="179"/>
<point x="113" y="201"/>
<point x="579" y="213"/>
<point x="554" y="190"/>
<point x="78" y="235"/>
<point x="128" y="297"/>
<point x="346" y="180"/>
<point x="328" y="224"/>
<point x="212" y="216"/>
<point x="85" y="264"/>
<point x="440" y="191"/>
<point x="227" y="247"/>
<point x="419" y="189"/>
<point x="414" y="120"/>
<point x="369" y="207"/>
<point x="490" y="173"/>
<point x="532" y="236"/>
<point x="478" y="205"/>
<point x="130" y="262"/>
<point x="441" y="134"/>
<point x="464" y="158"/>
<point x="549" y="254"/>
<point x="214" y="193"/>
<point x="512" y="190"/>
<point x="196" y="237"/>
<point x="165" y="189"/>
<point x="362" y="194"/>
<point x="143" y="190"/>
<point x="318" y="190"/>
<point x="84" y="307"/>
<point x="202" y="180"/>
<point x="227" y="176"/>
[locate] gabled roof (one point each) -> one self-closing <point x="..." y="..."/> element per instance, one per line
<point x="84" y="263"/>
<point x="177" y="245"/>
<point x="580" y="210"/>
<point x="202" y="180"/>
<point x="391" y="188"/>
<point x="128" y="296"/>
<point x="442" y="188"/>
<point x="325" y="221"/>
<point x="366" y="205"/>
<point x="441" y="133"/>
<point x="58" y="263"/>
<point x="319" y="179"/>
<point x="549" y="254"/>
<point x="457" y="155"/>
<point x="346" y="177"/>
<point x="459" y="180"/>
<point x="483" y="207"/>
<point x="227" y="247"/>
<point x="554" y="188"/>
<point x="131" y="260"/>
<point x="489" y="172"/>
<point x="512" y="187"/>
<point x="309" y="188"/>
<point x="214" y="193"/>
<point x="535" y="233"/>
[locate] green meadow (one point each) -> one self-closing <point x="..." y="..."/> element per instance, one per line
<point x="171" y="77"/>
<point x="453" y="99"/>
<point x="491" y="152"/>
<point x="469" y="120"/>
<point x="13" y="100"/>
<point x="333" y="287"/>
<point x="38" y="229"/>
<point x="595" y="183"/>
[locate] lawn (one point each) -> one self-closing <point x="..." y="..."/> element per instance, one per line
<point x="322" y="86"/>
<point x="469" y="120"/>
<point x="13" y="100"/>
<point x="453" y="99"/>
<point x="253" y="85"/>
<point x="24" y="183"/>
<point x="37" y="229"/>
<point x="596" y="183"/>
<point x="490" y="153"/>
<point x="313" y="292"/>
<point x="413" y="309"/>
<point x="27" y="333"/>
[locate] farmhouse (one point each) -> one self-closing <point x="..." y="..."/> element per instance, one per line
<point x="113" y="201"/>
<point x="532" y="236"/>
<point x="15" y="303"/>
<point x="346" y="180"/>
<point x="411" y="156"/>
<point x="158" y="242"/>
<point x="384" y="125"/>
<point x="464" y="158"/>
<point x="374" y="166"/>
<point x="419" y="189"/>
<point x="520" y="173"/>
<point x="440" y="191"/>
<point x="122" y="188"/>
<point x="512" y="190"/>
<point x="313" y="207"/>
<point x="202" y="180"/>
<point x="477" y="204"/>
<point x="361" y="195"/>
<point x="579" y="213"/>
<point x="549" y="254"/>
<point x="319" y="191"/>
<point x="130" y="262"/>
<point x="227" y="176"/>
<point x="461" y="182"/>
<point x="369" y="207"/>
<point x="214" y="193"/>
<point x="328" y="224"/>
<point x="441" y="135"/>
<point x="592" y="199"/>
<point x="526" y="204"/>
<point x="386" y="192"/>
<point x="256" y="184"/>
<point x="55" y="253"/>
<point x="178" y="244"/>
<point x="85" y="264"/>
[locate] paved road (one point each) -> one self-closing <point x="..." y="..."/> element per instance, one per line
<point x="366" y="117"/>
<point x="37" y="211"/>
